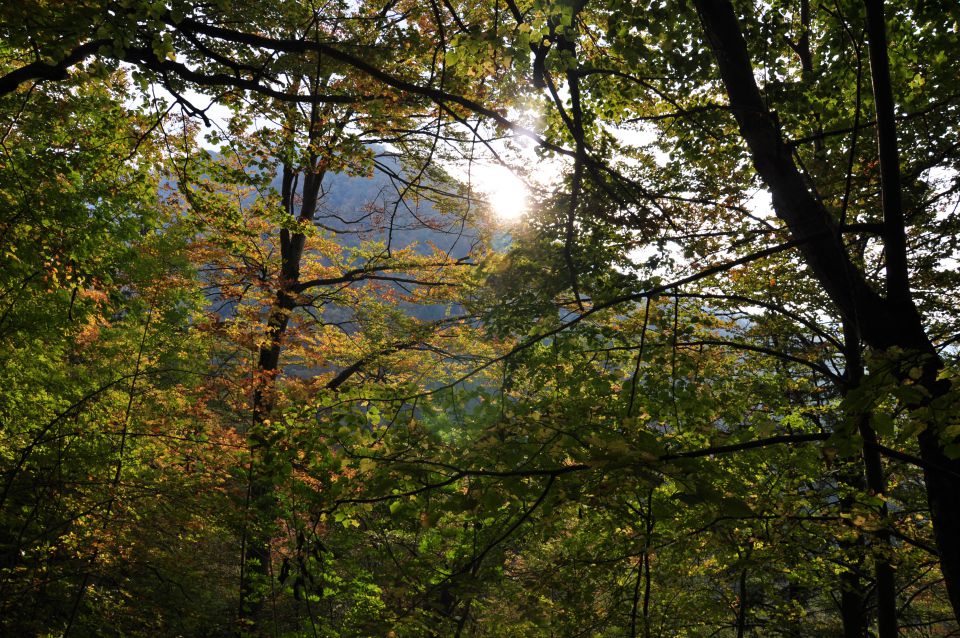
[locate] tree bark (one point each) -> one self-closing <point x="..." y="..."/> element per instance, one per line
<point x="852" y="599"/>
<point x="884" y="323"/>
<point x="883" y="569"/>
<point x="256" y="560"/>
<point x="876" y="484"/>
<point x="742" y="606"/>
<point x="894" y="235"/>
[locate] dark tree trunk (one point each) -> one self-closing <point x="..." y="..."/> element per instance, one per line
<point x="883" y="322"/>
<point x="262" y="507"/>
<point x="883" y="569"/>
<point x="876" y="484"/>
<point x="852" y="599"/>
<point x="742" y="606"/>
<point x="853" y="588"/>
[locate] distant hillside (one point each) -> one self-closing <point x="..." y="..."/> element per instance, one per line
<point x="361" y="208"/>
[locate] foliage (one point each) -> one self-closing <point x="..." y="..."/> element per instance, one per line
<point x="709" y="388"/>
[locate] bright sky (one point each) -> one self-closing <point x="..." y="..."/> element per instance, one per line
<point x="504" y="192"/>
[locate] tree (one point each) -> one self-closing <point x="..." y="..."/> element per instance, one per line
<point x="883" y="322"/>
<point x="633" y="74"/>
<point x="309" y="286"/>
<point x="99" y="445"/>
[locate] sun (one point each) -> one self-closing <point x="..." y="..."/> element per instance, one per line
<point x="505" y="193"/>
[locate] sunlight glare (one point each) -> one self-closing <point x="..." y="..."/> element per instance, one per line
<point x="505" y="193"/>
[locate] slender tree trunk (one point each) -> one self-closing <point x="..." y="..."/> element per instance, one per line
<point x="876" y="484"/>
<point x="647" y="587"/>
<point x="852" y="606"/>
<point x="262" y="510"/>
<point x="853" y="590"/>
<point x="943" y="491"/>
<point x="256" y="561"/>
<point x="742" y="607"/>
<point x="643" y="573"/>
<point x="883" y="569"/>
<point x="894" y="235"/>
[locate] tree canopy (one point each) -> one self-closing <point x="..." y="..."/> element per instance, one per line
<point x="271" y="365"/>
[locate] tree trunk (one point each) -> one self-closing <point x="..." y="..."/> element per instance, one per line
<point x="852" y="601"/>
<point x="884" y="323"/>
<point x="262" y="509"/>
<point x="742" y="606"/>
<point x="256" y="561"/>
<point x="883" y="569"/>
<point x="876" y="484"/>
<point x="853" y="593"/>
